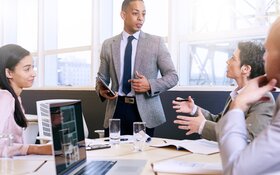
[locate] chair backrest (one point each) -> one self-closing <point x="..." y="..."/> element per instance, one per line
<point x="31" y="132"/>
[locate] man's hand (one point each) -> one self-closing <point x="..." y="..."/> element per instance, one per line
<point x="140" y="84"/>
<point x="104" y="93"/>
<point x="253" y="92"/>
<point x="183" y="106"/>
<point x="190" y="124"/>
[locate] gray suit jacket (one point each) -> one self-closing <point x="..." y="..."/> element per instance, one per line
<point x="152" y="57"/>
<point x="257" y="117"/>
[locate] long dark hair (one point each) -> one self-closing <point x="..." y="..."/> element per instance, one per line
<point x="10" y="56"/>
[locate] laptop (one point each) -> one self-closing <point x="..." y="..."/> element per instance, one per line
<point x="69" y="147"/>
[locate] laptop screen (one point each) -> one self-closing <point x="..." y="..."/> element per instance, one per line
<point x="68" y="135"/>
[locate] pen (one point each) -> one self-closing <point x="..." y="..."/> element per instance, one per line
<point x="122" y="139"/>
<point x="180" y="100"/>
<point x="183" y="99"/>
<point x="45" y="161"/>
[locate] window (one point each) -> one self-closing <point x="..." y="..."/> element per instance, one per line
<point x="72" y="24"/>
<point x="67" y="28"/>
<point x="27" y="22"/>
<point x="65" y="36"/>
<point x="213" y="31"/>
<point x="68" y="69"/>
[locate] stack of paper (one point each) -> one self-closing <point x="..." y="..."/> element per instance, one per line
<point x="176" y="166"/>
<point x="200" y="146"/>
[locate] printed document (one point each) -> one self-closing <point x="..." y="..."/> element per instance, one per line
<point x="200" y="146"/>
<point x="177" y="166"/>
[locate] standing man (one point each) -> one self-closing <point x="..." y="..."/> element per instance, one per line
<point x="132" y="61"/>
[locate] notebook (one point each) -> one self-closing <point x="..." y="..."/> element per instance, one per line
<point x="69" y="145"/>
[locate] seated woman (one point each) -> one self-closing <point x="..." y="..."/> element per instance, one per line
<point x="245" y="64"/>
<point x="16" y="73"/>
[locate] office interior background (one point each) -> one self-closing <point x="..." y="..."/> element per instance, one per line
<point x="65" y="36"/>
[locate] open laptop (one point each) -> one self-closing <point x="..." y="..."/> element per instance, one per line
<point x="69" y="147"/>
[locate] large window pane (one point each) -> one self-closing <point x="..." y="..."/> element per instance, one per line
<point x="27" y="25"/>
<point x="67" y="23"/>
<point x="228" y="15"/>
<point x="69" y="69"/>
<point x="213" y="31"/>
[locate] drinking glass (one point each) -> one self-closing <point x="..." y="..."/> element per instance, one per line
<point x="6" y="143"/>
<point x="67" y="146"/>
<point x="139" y="134"/>
<point x="114" y="131"/>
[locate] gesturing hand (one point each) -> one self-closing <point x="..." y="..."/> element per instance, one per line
<point x="183" y="106"/>
<point x="190" y="124"/>
<point x="140" y="84"/>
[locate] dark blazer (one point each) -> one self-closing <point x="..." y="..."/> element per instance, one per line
<point x="152" y="57"/>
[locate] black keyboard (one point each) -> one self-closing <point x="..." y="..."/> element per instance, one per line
<point x="97" y="168"/>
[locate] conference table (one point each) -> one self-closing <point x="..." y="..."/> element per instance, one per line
<point x="44" y="165"/>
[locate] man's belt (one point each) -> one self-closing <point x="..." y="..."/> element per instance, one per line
<point x="126" y="99"/>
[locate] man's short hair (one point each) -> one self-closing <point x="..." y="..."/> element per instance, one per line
<point x="251" y="53"/>
<point x="126" y="3"/>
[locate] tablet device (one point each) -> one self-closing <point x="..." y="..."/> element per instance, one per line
<point x="110" y="93"/>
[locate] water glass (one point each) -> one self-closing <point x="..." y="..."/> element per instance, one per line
<point x="139" y="134"/>
<point x="114" y="131"/>
<point x="66" y="140"/>
<point x="6" y="143"/>
<point x="67" y="146"/>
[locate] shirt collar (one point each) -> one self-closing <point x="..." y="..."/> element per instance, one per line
<point x="234" y="93"/>
<point x="125" y="35"/>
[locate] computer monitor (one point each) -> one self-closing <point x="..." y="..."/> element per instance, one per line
<point x="61" y="121"/>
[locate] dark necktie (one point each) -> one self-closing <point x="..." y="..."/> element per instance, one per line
<point x="127" y="66"/>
